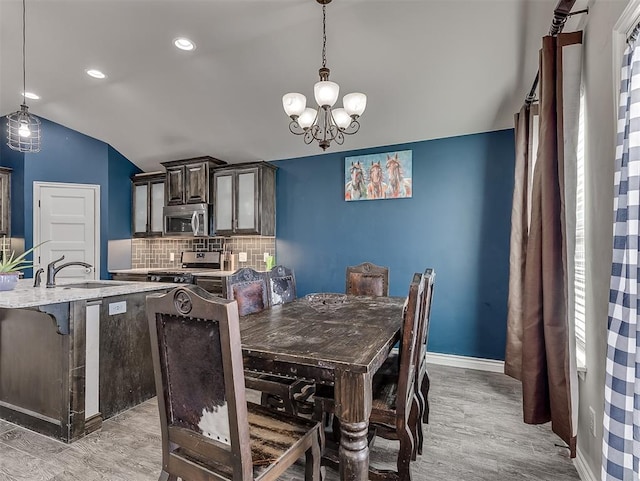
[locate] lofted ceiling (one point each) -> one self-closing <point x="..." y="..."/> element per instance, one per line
<point x="430" y="69"/>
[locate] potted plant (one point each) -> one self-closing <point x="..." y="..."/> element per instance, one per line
<point x="10" y="267"/>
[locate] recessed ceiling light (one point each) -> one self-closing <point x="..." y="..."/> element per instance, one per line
<point x="184" y="44"/>
<point x="95" y="73"/>
<point x="32" y="96"/>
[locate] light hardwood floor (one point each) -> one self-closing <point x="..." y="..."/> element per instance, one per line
<point x="476" y="434"/>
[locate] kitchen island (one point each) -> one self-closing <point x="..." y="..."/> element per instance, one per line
<point x="75" y="354"/>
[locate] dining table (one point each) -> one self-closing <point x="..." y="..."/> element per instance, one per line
<point x="332" y="339"/>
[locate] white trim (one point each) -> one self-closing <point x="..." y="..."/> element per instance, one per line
<point x="621" y="30"/>
<point x="583" y="469"/>
<point x="477" y="363"/>
<point x="96" y="218"/>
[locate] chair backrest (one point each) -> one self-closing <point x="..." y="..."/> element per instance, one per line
<point x="425" y="311"/>
<point x="249" y="288"/>
<point x="282" y="285"/>
<point x="408" y="346"/>
<point x="367" y="279"/>
<point x="197" y="360"/>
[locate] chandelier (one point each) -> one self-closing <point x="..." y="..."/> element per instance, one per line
<point x="23" y="129"/>
<point x="323" y="123"/>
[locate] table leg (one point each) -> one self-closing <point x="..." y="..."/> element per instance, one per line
<point x="353" y="408"/>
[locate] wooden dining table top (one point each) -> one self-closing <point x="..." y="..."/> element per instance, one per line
<point x="330" y="331"/>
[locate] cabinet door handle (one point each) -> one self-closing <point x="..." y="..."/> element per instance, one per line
<point x="194" y="223"/>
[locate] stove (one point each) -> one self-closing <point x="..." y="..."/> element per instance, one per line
<point x="193" y="263"/>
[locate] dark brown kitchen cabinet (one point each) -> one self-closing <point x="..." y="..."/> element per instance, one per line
<point x="5" y="201"/>
<point x="189" y="180"/>
<point x="245" y="199"/>
<point x="148" y="201"/>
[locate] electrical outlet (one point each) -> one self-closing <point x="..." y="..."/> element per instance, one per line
<point x="242" y="257"/>
<point x="172" y="257"/>
<point x="117" y="308"/>
<point x="265" y="256"/>
<point x="592" y="421"/>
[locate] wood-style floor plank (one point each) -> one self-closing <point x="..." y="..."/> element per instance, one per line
<point x="476" y="434"/>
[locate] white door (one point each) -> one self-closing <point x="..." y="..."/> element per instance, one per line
<point x="68" y="217"/>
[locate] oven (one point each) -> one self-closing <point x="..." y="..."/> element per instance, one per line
<point x="191" y="220"/>
<point x="199" y="268"/>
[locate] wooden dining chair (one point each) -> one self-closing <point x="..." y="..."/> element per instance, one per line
<point x="249" y="288"/>
<point x="367" y="279"/>
<point x="395" y="408"/>
<point x="390" y="368"/>
<point x="423" y="383"/>
<point x="282" y="285"/>
<point x="209" y="431"/>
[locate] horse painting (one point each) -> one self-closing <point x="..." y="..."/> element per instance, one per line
<point x="376" y="187"/>
<point x="398" y="185"/>
<point x="355" y="189"/>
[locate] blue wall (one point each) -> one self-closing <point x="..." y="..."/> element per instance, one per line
<point x="71" y="157"/>
<point x="458" y="222"/>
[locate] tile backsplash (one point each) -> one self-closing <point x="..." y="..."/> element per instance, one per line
<point x="156" y="253"/>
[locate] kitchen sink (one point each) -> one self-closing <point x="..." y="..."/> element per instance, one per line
<point x="91" y="285"/>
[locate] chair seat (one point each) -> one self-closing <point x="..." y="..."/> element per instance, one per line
<point x="272" y="435"/>
<point x="383" y="406"/>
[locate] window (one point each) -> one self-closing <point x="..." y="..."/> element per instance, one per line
<point x="579" y="254"/>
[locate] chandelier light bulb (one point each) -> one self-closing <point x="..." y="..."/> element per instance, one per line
<point x="294" y="104"/>
<point x="341" y="118"/>
<point x="23" y="130"/>
<point x="355" y="103"/>
<point x="326" y="93"/>
<point x="307" y="118"/>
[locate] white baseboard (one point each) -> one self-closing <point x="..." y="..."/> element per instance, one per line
<point x="477" y="363"/>
<point x="584" y="471"/>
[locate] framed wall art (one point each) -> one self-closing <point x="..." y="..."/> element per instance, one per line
<point x="378" y="176"/>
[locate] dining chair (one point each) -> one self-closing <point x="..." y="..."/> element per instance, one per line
<point x="423" y="383"/>
<point x="282" y="285"/>
<point x="294" y="395"/>
<point x="367" y="279"/>
<point x="395" y="408"/>
<point x="249" y="288"/>
<point x="391" y="366"/>
<point x="209" y="431"/>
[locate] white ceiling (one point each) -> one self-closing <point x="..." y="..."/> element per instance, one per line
<point x="430" y="69"/>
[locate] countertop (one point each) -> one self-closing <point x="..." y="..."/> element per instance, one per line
<point x="25" y="295"/>
<point x="146" y="270"/>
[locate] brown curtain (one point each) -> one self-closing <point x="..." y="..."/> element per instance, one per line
<point x="539" y="295"/>
<point x="518" y="243"/>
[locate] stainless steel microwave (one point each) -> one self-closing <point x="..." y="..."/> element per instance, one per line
<point x="190" y="220"/>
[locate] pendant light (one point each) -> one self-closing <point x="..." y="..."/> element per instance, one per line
<point x="323" y="124"/>
<point x="23" y="129"/>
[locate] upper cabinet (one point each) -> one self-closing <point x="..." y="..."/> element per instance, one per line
<point x="5" y="201"/>
<point x="245" y="199"/>
<point x="189" y="181"/>
<point x="148" y="201"/>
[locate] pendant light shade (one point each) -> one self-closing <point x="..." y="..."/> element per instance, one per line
<point x="23" y="129"/>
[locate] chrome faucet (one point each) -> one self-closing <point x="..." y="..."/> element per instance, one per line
<point x="36" y="277"/>
<point x="52" y="270"/>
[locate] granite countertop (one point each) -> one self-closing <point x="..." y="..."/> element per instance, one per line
<point x="147" y="270"/>
<point x="25" y="295"/>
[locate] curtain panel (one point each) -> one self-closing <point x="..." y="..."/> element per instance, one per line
<point x="538" y="333"/>
<point x="621" y="437"/>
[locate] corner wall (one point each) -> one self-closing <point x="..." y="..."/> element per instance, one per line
<point x="71" y="157"/>
<point x="599" y="63"/>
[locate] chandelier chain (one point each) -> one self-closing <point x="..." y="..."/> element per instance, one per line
<point x="24" y="41"/>
<point x="324" y="36"/>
